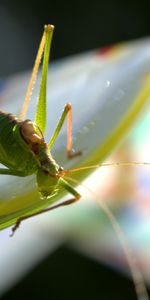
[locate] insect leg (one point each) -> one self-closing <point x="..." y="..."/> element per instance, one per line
<point x="12" y="172"/>
<point x="63" y="183"/>
<point x="67" y="112"/>
<point x="33" y="78"/>
<point x="67" y="187"/>
<point x="40" y="117"/>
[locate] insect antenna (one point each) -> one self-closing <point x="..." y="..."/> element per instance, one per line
<point x="113" y="164"/>
<point x="136" y="274"/>
<point x="33" y="77"/>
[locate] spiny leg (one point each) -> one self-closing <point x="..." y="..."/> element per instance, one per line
<point x="40" y="117"/>
<point x="33" y="78"/>
<point x="67" y="112"/>
<point x="67" y="187"/>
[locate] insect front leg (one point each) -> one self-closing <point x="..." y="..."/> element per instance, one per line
<point x="67" y="187"/>
<point x="67" y="112"/>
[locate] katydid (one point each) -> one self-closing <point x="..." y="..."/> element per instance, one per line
<point x="23" y="149"/>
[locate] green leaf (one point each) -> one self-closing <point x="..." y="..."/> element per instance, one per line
<point x="107" y="94"/>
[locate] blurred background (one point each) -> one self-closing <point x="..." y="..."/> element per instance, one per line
<point x="80" y="26"/>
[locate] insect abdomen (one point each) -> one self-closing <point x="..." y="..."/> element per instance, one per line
<point x="12" y="154"/>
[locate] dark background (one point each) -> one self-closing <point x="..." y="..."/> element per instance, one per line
<point x="80" y="26"/>
<point x="69" y="275"/>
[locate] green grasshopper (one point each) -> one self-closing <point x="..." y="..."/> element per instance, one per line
<point x="23" y="149"/>
<point x="24" y="152"/>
